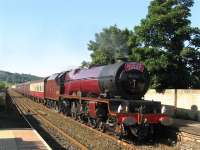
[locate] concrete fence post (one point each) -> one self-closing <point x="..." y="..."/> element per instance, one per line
<point x="175" y="101"/>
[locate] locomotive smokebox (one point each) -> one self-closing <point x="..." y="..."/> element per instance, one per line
<point x="129" y="80"/>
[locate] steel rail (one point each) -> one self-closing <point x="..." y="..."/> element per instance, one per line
<point x="60" y="131"/>
<point x="26" y="120"/>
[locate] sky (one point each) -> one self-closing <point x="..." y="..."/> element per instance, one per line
<point x="42" y="37"/>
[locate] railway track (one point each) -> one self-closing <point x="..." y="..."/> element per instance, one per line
<point x="188" y="141"/>
<point x="186" y="136"/>
<point x="46" y="116"/>
<point x="63" y="141"/>
<point x="85" y="137"/>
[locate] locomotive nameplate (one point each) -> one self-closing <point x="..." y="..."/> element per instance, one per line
<point x="134" y="66"/>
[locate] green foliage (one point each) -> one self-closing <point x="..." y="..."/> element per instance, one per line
<point x="168" y="45"/>
<point x="110" y="44"/>
<point x="164" y="41"/>
<point x="2" y="85"/>
<point x="13" y="78"/>
<point x="85" y="64"/>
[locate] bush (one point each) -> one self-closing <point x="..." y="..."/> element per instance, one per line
<point x="2" y="85"/>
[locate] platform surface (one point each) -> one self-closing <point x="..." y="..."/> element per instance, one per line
<point x="192" y="127"/>
<point x="21" y="139"/>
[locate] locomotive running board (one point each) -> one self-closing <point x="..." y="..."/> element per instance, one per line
<point x="70" y="97"/>
<point x="84" y="98"/>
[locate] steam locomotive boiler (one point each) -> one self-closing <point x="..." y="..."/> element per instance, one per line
<point x="127" y="80"/>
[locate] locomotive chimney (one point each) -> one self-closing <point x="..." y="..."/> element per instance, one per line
<point x="121" y="59"/>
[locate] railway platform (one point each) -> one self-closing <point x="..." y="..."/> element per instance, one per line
<point x="21" y="139"/>
<point x="188" y="126"/>
<point x="16" y="133"/>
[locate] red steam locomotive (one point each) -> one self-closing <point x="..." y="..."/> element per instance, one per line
<point x="106" y="97"/>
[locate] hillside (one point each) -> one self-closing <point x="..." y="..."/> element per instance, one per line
<point x="13" y="78"/>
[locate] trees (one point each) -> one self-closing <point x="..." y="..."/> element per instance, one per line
<point x="168" y="45"/>
<point x="109" y="45"/>
<point x="2" y="85"/>
<point x="164" y="41"/>
<point x="14" y="78"/>
<point x="85" y="64"/>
